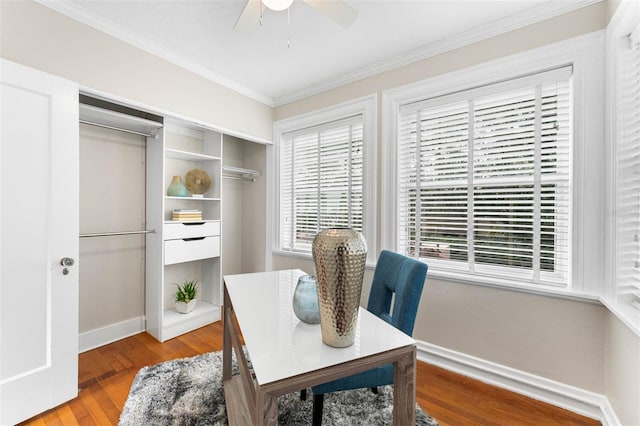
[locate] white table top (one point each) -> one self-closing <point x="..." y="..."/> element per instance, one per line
<point x="280" y="345"/>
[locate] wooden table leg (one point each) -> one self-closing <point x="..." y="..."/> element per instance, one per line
<point x="266" y="409"/>
<point x="404" y="389"/>
<point x="226" y="337"/>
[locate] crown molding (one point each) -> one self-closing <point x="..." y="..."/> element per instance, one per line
<point x="493" y="29"/>
<point x="66" y="8"/>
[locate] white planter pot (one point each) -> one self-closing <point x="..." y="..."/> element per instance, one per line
<point x="185" y="308"/>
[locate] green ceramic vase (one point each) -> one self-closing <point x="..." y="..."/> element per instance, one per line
<point x="177" y="188"/>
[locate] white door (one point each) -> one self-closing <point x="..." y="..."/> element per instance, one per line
<point x="38" y="227"/>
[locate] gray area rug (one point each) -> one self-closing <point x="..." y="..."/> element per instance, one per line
<point x="189" y="391"/>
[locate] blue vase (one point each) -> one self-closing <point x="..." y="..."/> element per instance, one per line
<point x="176" y="188"/>
<point x="305" y="300"/>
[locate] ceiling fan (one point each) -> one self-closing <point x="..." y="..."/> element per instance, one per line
<point x="337" y="10"/>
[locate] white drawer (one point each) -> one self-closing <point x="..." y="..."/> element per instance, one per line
<point x="179" y="230"/>
<point x="177" y="251"/>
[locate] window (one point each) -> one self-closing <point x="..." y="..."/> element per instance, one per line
<point x="484" y="179"/>
<point x="628" y="160"/>
<point x="324" y="177"/>
<point x="625" y="123"/>
<point x="321" y="181"/>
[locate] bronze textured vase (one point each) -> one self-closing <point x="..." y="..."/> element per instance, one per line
<point x="339" y="255"/>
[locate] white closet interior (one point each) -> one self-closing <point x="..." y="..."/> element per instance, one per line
<point x="112" y="202"/>
<point x="112" y="216"/>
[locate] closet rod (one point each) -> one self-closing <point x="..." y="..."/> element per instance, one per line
<point x="238" y="178"/>
<point x="150" y="135"/>
<point x="109" y="234"/>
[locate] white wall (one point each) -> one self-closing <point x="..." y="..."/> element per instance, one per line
<point x="550" y="337"/>
<point x="622" y="370"/>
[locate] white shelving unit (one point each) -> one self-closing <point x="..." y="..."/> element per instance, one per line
<point x="177" y="251"/>
<point x="183" y="250"/>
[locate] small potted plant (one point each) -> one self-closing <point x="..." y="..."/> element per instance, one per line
<point x="186" y="296"/>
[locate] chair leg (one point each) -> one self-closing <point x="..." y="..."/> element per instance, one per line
<point x="374" y="390"/>
<point x="318" y="404"/>
<point x="303" y="395"/>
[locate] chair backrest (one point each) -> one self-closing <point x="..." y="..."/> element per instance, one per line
<point x="401" y="279"/>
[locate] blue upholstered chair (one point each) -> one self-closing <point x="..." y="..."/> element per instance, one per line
<point x="399" y="279"/>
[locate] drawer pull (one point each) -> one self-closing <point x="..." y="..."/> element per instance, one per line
<point x="193" y="223"/>
<point x="193" y="239"/>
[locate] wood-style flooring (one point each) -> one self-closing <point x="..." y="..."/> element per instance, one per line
<point x="106" y="373"/>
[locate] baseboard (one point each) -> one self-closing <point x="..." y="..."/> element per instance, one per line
<point x="109" y="334"/>
<point x="578" y="400"/>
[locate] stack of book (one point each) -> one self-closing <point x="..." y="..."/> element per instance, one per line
<point x="186" y="215"/>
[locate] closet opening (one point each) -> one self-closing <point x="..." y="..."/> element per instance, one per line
<point x="112" y="226"/>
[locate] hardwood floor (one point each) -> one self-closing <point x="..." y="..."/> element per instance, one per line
<point x="106" y="373"/>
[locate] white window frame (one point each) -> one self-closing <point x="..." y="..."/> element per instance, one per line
<point x="367" y="107"/>
<point x="584" y="54"/>
<point x="624" y="21"/>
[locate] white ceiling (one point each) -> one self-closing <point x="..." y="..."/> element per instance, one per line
<point x="199" y="35"/>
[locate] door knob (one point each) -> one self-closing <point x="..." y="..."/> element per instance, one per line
<point x="67" y="261"/>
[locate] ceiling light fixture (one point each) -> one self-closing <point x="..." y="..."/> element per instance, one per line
<point x="277" y="5"/>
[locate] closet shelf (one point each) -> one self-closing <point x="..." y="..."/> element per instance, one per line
<point x="240" y="173"/>
<point x="188" y="156"/>
<point x="170" y="197"/>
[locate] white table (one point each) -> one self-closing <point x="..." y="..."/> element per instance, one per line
<point x="288" y="355"/>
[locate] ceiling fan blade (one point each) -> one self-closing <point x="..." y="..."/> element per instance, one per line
<point x="249" y="17"/>
<point x="337" y="10"/>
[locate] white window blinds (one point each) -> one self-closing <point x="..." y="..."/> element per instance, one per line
<point x="321" y="181"/>
<point x="628" y="170"/>
<point x="484" y="179"/>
